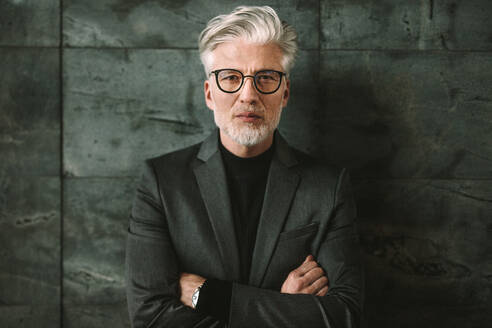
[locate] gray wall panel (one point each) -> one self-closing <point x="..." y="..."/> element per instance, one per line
<point x="29" y="23"/>
<point x="157" y="24"/>
<point x="299" y="122"/>
<point x="122" y="106"/>
<point x="95" y="222"/>
<point x="30" y="112"/>
<point x="29" y="188"/>
<point x="29" y="241"/>
<point x="28" y="316"/>
<point x="408" y="114"/>
<point x="427" y="246"/>
<point x="390" y="24"/>
<point x="96" y="316"/>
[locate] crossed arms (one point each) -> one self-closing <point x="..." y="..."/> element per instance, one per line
<point x="157" y="293"/>
<point x="308" y="278"/>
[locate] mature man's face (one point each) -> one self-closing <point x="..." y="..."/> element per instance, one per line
<point x="248" y="117"/>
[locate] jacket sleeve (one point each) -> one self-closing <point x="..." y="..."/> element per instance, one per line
<point x="339" y="255"/>
<point x="152" y="271"/>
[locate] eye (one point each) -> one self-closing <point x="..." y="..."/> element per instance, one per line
<point x="230" y="78"/>
<point x="267" y="76"/>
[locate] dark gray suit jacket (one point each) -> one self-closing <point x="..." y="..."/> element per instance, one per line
<point x="181" y="221"/>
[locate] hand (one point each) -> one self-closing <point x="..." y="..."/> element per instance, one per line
<point x="188" y="282"/>
<point x="308" y="278"/>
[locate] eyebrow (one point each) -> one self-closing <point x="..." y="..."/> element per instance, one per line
<point x="259" y="70"/>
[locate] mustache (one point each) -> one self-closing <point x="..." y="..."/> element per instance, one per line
<point x="254" y="109"/>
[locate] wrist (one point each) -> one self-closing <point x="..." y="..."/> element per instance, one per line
<point x="215" y="299"/>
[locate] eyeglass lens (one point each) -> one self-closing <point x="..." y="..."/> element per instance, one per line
<point x="265" y="81"/>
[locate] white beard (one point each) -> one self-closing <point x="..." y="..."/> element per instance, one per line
<point x="243" y="133"/>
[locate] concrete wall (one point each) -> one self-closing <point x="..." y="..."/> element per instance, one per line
<point x="398" y="91"/>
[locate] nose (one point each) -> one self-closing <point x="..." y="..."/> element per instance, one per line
<point x="249" y="94"/>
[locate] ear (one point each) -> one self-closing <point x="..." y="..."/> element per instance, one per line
<point x="286" y="93"/>
<point x="208" y="94"/>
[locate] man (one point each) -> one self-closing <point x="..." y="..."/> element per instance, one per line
<point x="241" y="230"/>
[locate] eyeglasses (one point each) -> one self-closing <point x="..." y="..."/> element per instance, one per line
<point x="231" y="80"/>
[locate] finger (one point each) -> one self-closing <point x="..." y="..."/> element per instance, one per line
<point x="323" y="291"/>
<point x="307" y="259"/>
<point x="319" y="284"/>
<point x="305" y="267"/>
<point x="312" y="275"/>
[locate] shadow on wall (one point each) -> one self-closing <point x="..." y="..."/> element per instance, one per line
<point x="354" y="131"/>
<point x="415" y="229"/>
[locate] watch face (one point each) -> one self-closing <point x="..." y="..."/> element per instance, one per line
<point x="194" y="297"/>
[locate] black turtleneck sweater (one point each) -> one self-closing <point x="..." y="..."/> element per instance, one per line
<point x="246" y="179"/>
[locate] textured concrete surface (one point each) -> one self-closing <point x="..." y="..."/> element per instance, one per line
<point x="29" y="249"/>
<point x="122" y="106"/>
<point x="447" y="218"/>
<point x="398" y="91"/>
<point x="299" y="119"/>
<point x="30" y="223"/>
<point x="29" y="22"/>
<point x="96" y="316"/>
<point x="408" y="114"/>
<point x="29" y="188"/>
<point x="427" y="246"/>
<point x="95" y="219"/>
<point x="400" y="24"/>
<point x="28" y="316"/>
<point x="167" y="23"/>
<point x="30" y="112"/>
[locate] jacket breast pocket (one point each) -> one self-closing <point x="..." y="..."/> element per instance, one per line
<point x="299" y="232"/>
<point x="292" y="248"/>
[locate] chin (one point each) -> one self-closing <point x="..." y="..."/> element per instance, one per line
<point x="247" y="134"/>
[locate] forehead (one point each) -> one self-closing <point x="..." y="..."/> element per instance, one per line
<point x="247" y="57"/>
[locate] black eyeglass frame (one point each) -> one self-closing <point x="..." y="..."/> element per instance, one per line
<point x="217" y="71"/>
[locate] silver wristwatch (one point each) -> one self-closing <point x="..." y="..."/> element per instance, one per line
<point x="194" y="297"/>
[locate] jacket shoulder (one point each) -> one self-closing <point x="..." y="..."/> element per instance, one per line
<point x="321" y="179"/>
<point x="180" y="158"/>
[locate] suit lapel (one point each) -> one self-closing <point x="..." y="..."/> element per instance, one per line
<point x="281" y="186"/>
<point x="212" y="182"/>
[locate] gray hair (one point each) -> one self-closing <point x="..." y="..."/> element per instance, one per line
<point x="253" y="24"/>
